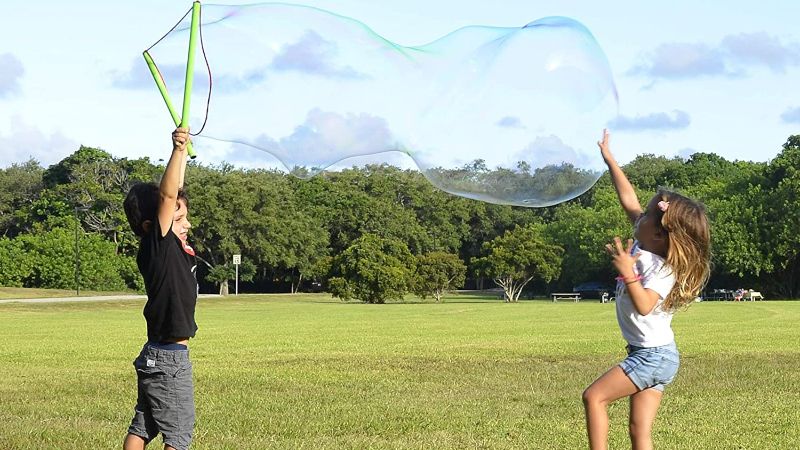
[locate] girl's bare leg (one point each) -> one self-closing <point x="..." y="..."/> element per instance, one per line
<point x="644" y="406"/>
<point x="611" y="386"/>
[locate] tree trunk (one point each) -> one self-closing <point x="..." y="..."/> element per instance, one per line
<point x="296" y="288"/>
<point x="511" y="290"/>
<point x="223" y="288"/>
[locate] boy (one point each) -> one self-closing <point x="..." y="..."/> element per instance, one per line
<point x="157" y="214"/>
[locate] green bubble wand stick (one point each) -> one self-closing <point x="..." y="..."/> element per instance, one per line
<point x="183" y="119"/>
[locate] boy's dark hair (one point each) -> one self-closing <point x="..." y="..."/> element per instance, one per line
<point x="141" y="205"/>
<point x="182" y="196"/>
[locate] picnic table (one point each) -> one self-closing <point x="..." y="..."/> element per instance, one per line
<point x="720" y="294"/>
<point x="565" y="295"/>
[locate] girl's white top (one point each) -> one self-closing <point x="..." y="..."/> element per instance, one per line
<point x="653" y="329"/>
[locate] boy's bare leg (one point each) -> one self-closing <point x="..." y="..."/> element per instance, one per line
<point x="611" y="386"/>
<point x="133" y="442"/>
<point x="644" y="406"/>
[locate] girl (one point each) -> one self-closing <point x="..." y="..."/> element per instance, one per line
<point x="661" y="271"/>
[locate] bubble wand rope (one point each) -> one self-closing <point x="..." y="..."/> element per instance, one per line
<point x="183" y="120"/>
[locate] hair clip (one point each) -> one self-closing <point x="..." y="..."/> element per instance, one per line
<point x="662" y="205"/>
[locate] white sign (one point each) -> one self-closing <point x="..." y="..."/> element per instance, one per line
<point x="237" y="259"/>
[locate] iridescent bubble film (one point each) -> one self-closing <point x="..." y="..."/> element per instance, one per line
<point x="507" y="115"/>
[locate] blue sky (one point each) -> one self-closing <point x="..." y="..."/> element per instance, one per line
<point x="692" y="76"/>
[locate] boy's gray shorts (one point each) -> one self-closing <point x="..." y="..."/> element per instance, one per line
<point x="165" y="401"/>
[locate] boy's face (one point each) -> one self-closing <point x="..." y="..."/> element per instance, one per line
<point x="180" y="221"/>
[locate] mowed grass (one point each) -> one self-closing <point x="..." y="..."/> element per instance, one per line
<point x="12" y="293"/>
<point x="309" y="372"/>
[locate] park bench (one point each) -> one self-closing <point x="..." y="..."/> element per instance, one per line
<point x="565" y="295"/>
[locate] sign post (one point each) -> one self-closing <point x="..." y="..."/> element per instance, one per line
<point x="237" y="259"/>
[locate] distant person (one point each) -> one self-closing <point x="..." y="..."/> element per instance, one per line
<point x="661" y="271"/>
<point x="738" y="295"/>
<point x="158" y="216"/>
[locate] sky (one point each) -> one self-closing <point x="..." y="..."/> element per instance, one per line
<point x="717" y="77"/>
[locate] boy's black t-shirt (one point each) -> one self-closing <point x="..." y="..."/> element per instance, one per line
<point x="171" y="284"/>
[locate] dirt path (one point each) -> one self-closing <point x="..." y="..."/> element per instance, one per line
<point x="96" y="298"/>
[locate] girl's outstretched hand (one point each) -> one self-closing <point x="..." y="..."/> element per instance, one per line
<point x="605" y="151"/>
<point x="622" y="259"/>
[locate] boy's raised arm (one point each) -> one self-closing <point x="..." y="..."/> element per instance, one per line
<point x="172" y="180"/>
<point x="627" y="196"/>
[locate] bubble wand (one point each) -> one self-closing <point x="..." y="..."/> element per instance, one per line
<point x="183" y="120"/>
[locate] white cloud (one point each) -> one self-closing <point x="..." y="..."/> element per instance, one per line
<point x="654" y="121"/>
<point x="791" y="115"/>
<point x="313" y="54"/>
<point x="26" y="142"/>
<point x="322" y="140"/>
<point x="327" y="137"/>
<point x="686" y="153"/>
<point x="761" y="49"/>
<point x="510" y="122"/>
<point x="679" y="60"/>
<point x="11" y="71"/>
<point x="551" y="150"/>
<point x="137" y="76"/>
<point x="730" y="58"/>
<point x="396" y="159"/>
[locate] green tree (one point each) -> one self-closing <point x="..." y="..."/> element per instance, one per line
<point x="782" y="246"/>
<point x="736" y="212"/>
<point x="54" y="261"/>
<point x="20" y="186"/>
<point x="365" y="201"/>
<point x="16" y="263"/>
<point x="519" y="256"/>
<point x="583" y="233"/>
<point x="649" y="172"/>
<point x="437" y="273"/>
<point x="487" y="221"/>
<point x="96" y="183"/>
<point x="222" y="274"/>
<point x="255" y="213"/>
<point x="305" y="249"/>
<point x="442" y="219"/>
<point x="545" y="185"/>
<point x="372" y="270"/>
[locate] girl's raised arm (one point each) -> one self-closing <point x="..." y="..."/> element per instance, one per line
<point x="627" y="196"/>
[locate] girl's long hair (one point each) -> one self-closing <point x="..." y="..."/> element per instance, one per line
<point x="689" y="253"/>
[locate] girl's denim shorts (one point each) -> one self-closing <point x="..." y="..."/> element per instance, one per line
<point x="651" y="367"/>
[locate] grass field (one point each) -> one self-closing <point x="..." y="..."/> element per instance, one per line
<point x="11" y="293"/>
<point x="309" y="372"/>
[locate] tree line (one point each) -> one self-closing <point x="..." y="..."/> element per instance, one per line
<point x="376" y="233"/>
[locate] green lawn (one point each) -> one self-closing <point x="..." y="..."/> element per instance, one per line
<point x="309" y="372"/>
<point x="11" y="293"/>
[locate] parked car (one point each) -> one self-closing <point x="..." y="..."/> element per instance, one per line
<point x="315" y="286"/>
<point x="593" y="289"/>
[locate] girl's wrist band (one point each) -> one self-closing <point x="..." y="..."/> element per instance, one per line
<point x="628" y="281"/>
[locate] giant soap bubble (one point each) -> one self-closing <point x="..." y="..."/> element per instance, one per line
<point x="504" y="115"/>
